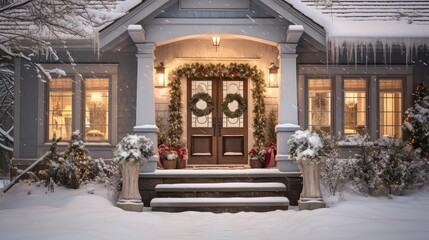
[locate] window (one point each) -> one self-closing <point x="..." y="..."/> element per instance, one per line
<point x="354" y="106"/>
<point x="390" y="107"/>
<point x="319" y="104"/>
<point x="96" y="109"/>
<point x="96" y="120"/>
<point x="60" y="108"/>
<point x="85" y="99"/>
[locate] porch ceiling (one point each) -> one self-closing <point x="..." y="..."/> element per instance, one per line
<point x="162" y="29"/>
<point x="259" y="30"/>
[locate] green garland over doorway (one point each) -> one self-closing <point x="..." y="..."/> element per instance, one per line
<point x="202" y="71"/>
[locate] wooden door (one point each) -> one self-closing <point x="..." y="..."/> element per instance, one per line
<point x="215" y="138"/>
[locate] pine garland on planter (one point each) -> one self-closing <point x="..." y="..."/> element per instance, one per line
<point x="201" y="71"/>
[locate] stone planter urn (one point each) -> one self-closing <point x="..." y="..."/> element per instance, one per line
<point x="309" y="151"/>
<point x="130" y="198"/>
<point x="132" y="152"/>
<point x="311" y="196"/>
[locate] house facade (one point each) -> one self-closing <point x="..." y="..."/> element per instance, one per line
<point x="318" y="72"/>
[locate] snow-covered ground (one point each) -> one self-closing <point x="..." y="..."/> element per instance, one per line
<point x="76" y="214"/>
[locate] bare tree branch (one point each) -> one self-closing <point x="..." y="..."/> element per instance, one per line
<point x="27" y="28"/>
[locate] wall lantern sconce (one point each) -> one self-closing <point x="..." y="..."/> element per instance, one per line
<point x="273" y="81"/>
<point x="216" y="41"/>
<point x="160" y="76"/>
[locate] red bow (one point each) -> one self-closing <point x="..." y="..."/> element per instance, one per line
<point x="271" y="151"/>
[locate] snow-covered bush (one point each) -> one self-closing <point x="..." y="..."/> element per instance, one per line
<point x="73" y="166"/>
<point x="134" y="148"/>
<point x="388" y="164"/>
<point x="353" y="139"/>
<point x="310" y="145"/>
<point x="109" y="175"/>
<point x="416" y="122"/>
<point x="336" y="174"/>
<point x="364" y="174"/>
<point x="397" y="167"/>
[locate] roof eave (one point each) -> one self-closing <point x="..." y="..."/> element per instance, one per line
<point x="290" y="13"/>
<point x="117" y="31"/>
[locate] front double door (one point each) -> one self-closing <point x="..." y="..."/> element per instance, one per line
<point x="213" y="137"/>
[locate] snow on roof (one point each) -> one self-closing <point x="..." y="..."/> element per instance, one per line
<point x="370" y="24"/>
<point x="368" y="18"/>
<point x="342" y="19"/>
<point x="410" y="11"/>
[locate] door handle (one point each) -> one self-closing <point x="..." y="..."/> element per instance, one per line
<point x="214" y="124"/>
<point x="219" y="121"/>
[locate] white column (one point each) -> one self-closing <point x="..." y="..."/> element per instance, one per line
<point x="145" y="102"/>
<point x="288" y="106"/>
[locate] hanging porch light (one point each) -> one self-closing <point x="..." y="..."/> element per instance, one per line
<point x="273" y="81"/>
<point x="160" y="76"/>
<point x="216" y="41"/>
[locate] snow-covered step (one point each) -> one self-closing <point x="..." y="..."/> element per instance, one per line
<point x="224" y="187"/>
<point x="230" y="189"/>
<point x="218" y="205"/>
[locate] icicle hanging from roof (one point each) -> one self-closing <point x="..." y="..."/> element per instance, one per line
<point x="357" y="49"/>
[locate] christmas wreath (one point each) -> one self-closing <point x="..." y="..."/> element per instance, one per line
<point x="229" y="98"/>
<point x="204" y="97"/>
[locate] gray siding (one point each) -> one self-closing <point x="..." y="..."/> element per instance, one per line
<point x="32" y="143"/>
<point x="28" y="106"/>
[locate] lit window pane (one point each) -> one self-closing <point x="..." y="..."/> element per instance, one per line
<point x="60" y="108"/>
<point x="391" y="107"/>
<point x="354" y="106"/>
<point x="96" y="109"/>
<point x="319" y="104"/>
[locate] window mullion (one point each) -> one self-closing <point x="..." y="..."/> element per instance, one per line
<point x="78" y="103"/>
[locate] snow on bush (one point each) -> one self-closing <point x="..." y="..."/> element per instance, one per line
<point x="387" y="164"/>
<point x="133" y="148"/>
<point x="384" y="166"/>
<point x="308" y="144"/>
<point x="74" y="166"/>
<point x="336" y="174"/>
<point x="416" y="125"/>
<point x="353" y="140"/>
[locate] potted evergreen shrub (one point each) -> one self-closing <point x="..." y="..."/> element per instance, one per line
<point x="132" y="152"/>
<point x="310" y="150"/>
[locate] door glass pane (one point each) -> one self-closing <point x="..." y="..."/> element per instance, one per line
<point x="391" y="107"/>
<point x="96" y="109"/>
<point x="319" y="104"/>
<point x="201" y="86"/>
<point x="60" y="108"/>
<point x="232" y="87"/>
<point x="354" y="106"/>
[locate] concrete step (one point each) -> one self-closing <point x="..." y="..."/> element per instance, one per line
<point x="219" y="205"/>
<point x="148" y="182"/>
<point x="230" y="189"/>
